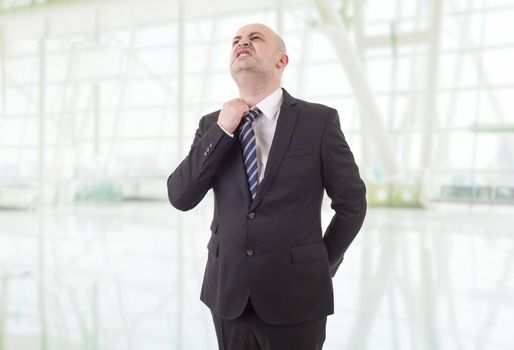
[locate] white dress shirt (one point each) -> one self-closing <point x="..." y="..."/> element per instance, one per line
<point x="264" y="128"/>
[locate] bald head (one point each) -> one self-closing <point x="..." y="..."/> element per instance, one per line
<point x="267" y="31"/>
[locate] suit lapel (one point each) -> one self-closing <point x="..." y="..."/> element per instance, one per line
<point x="285" y="126"/>
<point x="239" y="169"/>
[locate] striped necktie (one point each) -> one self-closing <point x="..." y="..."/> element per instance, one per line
<point x="247" y="137"/>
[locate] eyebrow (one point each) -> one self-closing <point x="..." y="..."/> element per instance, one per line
<point x="251" y="34"/>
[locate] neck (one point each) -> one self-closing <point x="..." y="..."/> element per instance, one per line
<point x="253" y="91"/>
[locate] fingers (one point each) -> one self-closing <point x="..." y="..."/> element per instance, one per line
<point x="246" y="108"/>
<point x="232" y="113"/>
<point x="241" y="106"/>
<point x="243" y="101"/>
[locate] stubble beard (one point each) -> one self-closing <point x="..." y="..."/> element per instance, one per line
<point x="248" y="64"/>
<point x="251" y="69"/>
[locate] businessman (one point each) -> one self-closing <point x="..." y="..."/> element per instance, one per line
<point x="268" y="158"/>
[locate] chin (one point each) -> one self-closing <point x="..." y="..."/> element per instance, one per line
<point x="244" y="67"/>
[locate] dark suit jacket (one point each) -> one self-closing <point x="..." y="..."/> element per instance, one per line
<point x="272" y="249"/>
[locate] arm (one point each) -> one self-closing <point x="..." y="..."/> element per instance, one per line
<point x="189" y="183"/>
<point x="344" y="186"/>
<point x="191" y="180"/>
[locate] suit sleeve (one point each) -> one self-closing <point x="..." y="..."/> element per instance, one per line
<point x="190" y="181"/>
<point x="345" y="188"/>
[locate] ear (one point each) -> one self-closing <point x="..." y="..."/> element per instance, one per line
<point x="282" y="63"/>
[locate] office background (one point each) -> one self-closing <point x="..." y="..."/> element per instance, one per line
<point x="99" y="101"/>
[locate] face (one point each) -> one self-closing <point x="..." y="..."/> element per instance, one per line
<point x="256" y="48"/>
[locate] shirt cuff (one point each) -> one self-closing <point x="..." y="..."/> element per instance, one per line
<point x="226" y="132"/>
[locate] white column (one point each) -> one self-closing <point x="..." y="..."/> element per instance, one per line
<point x="2" y="72"/>
<point x="280" y="17"/>
<point x="42" y="117"/>
<point x="42" y="194"/>
<point x="96" y="94"/>
<point x="430" y="115"/>
<point x="365" y="161"/>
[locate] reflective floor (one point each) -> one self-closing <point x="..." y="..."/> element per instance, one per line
<point x="128" y="277"/>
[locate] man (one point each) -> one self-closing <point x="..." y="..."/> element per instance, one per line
<point x="268" y="157"/>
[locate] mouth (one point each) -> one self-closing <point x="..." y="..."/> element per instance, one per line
<point x="243" y="53"/>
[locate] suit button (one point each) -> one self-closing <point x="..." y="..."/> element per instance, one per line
<point x="251" y="215"/>
<point x="249" y="252"/>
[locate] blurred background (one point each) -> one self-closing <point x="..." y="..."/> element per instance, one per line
<point x="99" y="101"/>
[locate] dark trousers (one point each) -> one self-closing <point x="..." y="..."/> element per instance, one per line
<point x="249" y="332"/>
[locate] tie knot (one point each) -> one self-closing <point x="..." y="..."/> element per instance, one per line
<point x="252" y="114"/>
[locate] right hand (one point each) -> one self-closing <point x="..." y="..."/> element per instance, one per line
<point x="232" y="113"/>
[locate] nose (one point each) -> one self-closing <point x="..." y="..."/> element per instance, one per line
<point x="243" y="43"/>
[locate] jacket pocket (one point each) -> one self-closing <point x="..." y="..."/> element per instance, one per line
<point x="309" y="252"/>
<point x="299" y="152"/>
<point x="213" y="247"/>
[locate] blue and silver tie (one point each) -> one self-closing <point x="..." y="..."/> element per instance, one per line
<point x="247" y="137"/>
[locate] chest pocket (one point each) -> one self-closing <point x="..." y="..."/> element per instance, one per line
<point x="299" y="152"/>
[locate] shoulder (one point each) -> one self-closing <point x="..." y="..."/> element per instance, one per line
<point x="212" y="117"/>
<point x="307" y="106"/>
<point x="310" y="110"/>
<point x="209" y="119"/>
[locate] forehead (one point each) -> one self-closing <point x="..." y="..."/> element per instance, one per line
<point x="250" y="29"/>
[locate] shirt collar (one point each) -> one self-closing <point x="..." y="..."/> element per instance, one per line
<point x="271" y="104"/>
